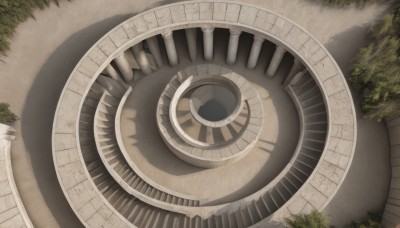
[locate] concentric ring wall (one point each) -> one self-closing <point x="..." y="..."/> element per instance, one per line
<point x="89" y="203"/>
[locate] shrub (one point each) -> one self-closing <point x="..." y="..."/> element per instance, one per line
<point x="372" y="220"/>
<point x="376" y="71"/>
<point x="315" y="219"/>
<point x="341" y="3"/>
<point x="12" y="12"/>
<point x="6" y="116"/>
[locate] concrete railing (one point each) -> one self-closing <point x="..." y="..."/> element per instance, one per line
<point x="391" y="214"/>
<point x="12" y="211"/>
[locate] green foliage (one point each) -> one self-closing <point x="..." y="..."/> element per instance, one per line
<point x="373" y="220"/>
<point x="341" y="3"/>
<point x="6" y="116"/>
<point x="376" y="71"/>
<point x="12" y="12"/>
<point x="315" y="219"/>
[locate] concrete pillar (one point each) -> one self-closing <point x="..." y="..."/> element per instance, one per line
<point x="191" y="37"/>
<point x="141" y="58"/>
<point x="154" y="48"/>
<point x="233" y="46"/>
<point x="296" y="67"/>
<point x="208" y="42"/>
<point x="170" y="47"/>
<point x="124" y="68"/>
<point x="255" y="51"/>
<point x="276" y="60"/>
<point x="296" y="78"/>
<point x="110" y="71"/>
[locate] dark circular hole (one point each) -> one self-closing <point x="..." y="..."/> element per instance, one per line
<point x="213" y="102"/>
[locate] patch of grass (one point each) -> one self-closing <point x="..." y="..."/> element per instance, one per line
<point x="6" y="116"/>
<point x="376" y="71"/>
<point x="315" y="219"/>
<point x="13" y="12"/>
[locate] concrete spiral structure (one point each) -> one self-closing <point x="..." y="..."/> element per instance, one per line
<point x="105" y="187"/>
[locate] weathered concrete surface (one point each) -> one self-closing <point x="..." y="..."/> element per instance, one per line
<point x="33" y="90"/>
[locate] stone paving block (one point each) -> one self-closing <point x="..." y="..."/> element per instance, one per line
<point x="226" y="152"/>
<point x="178" y="13"/>
<point x="232" y="12"/>
<point x="67" y="112"/>
<point x="5" y="188"/>
<point x="88" y="67"/>
<point x="163" y="16"/>
<point x="192" y="11"/>
<point x="344" y="116"/>
<point x="8" y="214"/>
<point x="79" y="82"/>
<point x="16" y="221"/>
<point x="281" y="28"/>
<point x="219" y="11"/>
<point x="119" y="36"/>
<point x="344" y="147"/>
<point x="296" y="38"/>
<point x="96" y="220"/>
<point x="331" y="171"/>
<point x="97" y="55"/>
<point x="334" y="85"/>
<point x="87" y="211"/>
<point x="307" y="209"/>
<point x="134" y="28"/>
<point x="150" y="20"/>
<point x="107" y="46"/>
<point x="105" y="212"/>
<point x="247" y="15"/>
<point x="325" y="68"/>
<point x="343" y="162"/>
<point x="297" y="205"/>
<point x="197" y="152"/>
<point x="62" y="157"/>
<point x="332" y="157"/>
<point x="206" y="10"/>
<point x="323" y="184"/>
<point x="64" y="141"/>
<point x="253" y="128"/>
<point x="340" y="100"/>
<point x="313" y="196"/>
<point x="249" y="136"/>
<point x="234" y="148"/>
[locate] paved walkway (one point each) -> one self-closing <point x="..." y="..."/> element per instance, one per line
<point x="45" y="50"/>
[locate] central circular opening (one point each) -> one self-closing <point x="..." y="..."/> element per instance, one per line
<point x="213" y="102"/>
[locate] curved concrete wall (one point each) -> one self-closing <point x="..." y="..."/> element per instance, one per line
<point x="335" y="161"/>
<point x="12" y="211"/>
<point x="391" y="215"/>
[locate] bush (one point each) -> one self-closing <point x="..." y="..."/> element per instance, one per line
<point x="373" y="220"/>
<point x="341" y="3"/>
<point x="315" y="219"/>
<point x="12" y="12"/>
<point x="6" y="116"/>
<point x="376" y="71"/>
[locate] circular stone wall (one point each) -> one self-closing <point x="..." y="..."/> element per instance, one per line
<point x="103" y="185"/>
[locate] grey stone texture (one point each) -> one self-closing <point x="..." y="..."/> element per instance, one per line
<point x="12" y="211"/>
<point x="391" y="214"/>
<point x="316" y="192"/>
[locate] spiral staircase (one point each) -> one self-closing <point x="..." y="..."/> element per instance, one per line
<point x="106" y="188"/>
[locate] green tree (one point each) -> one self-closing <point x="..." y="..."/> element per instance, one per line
<point x="315" y="219"/>
<point x="376" y="71"/>
<point x="6" y="116"/>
